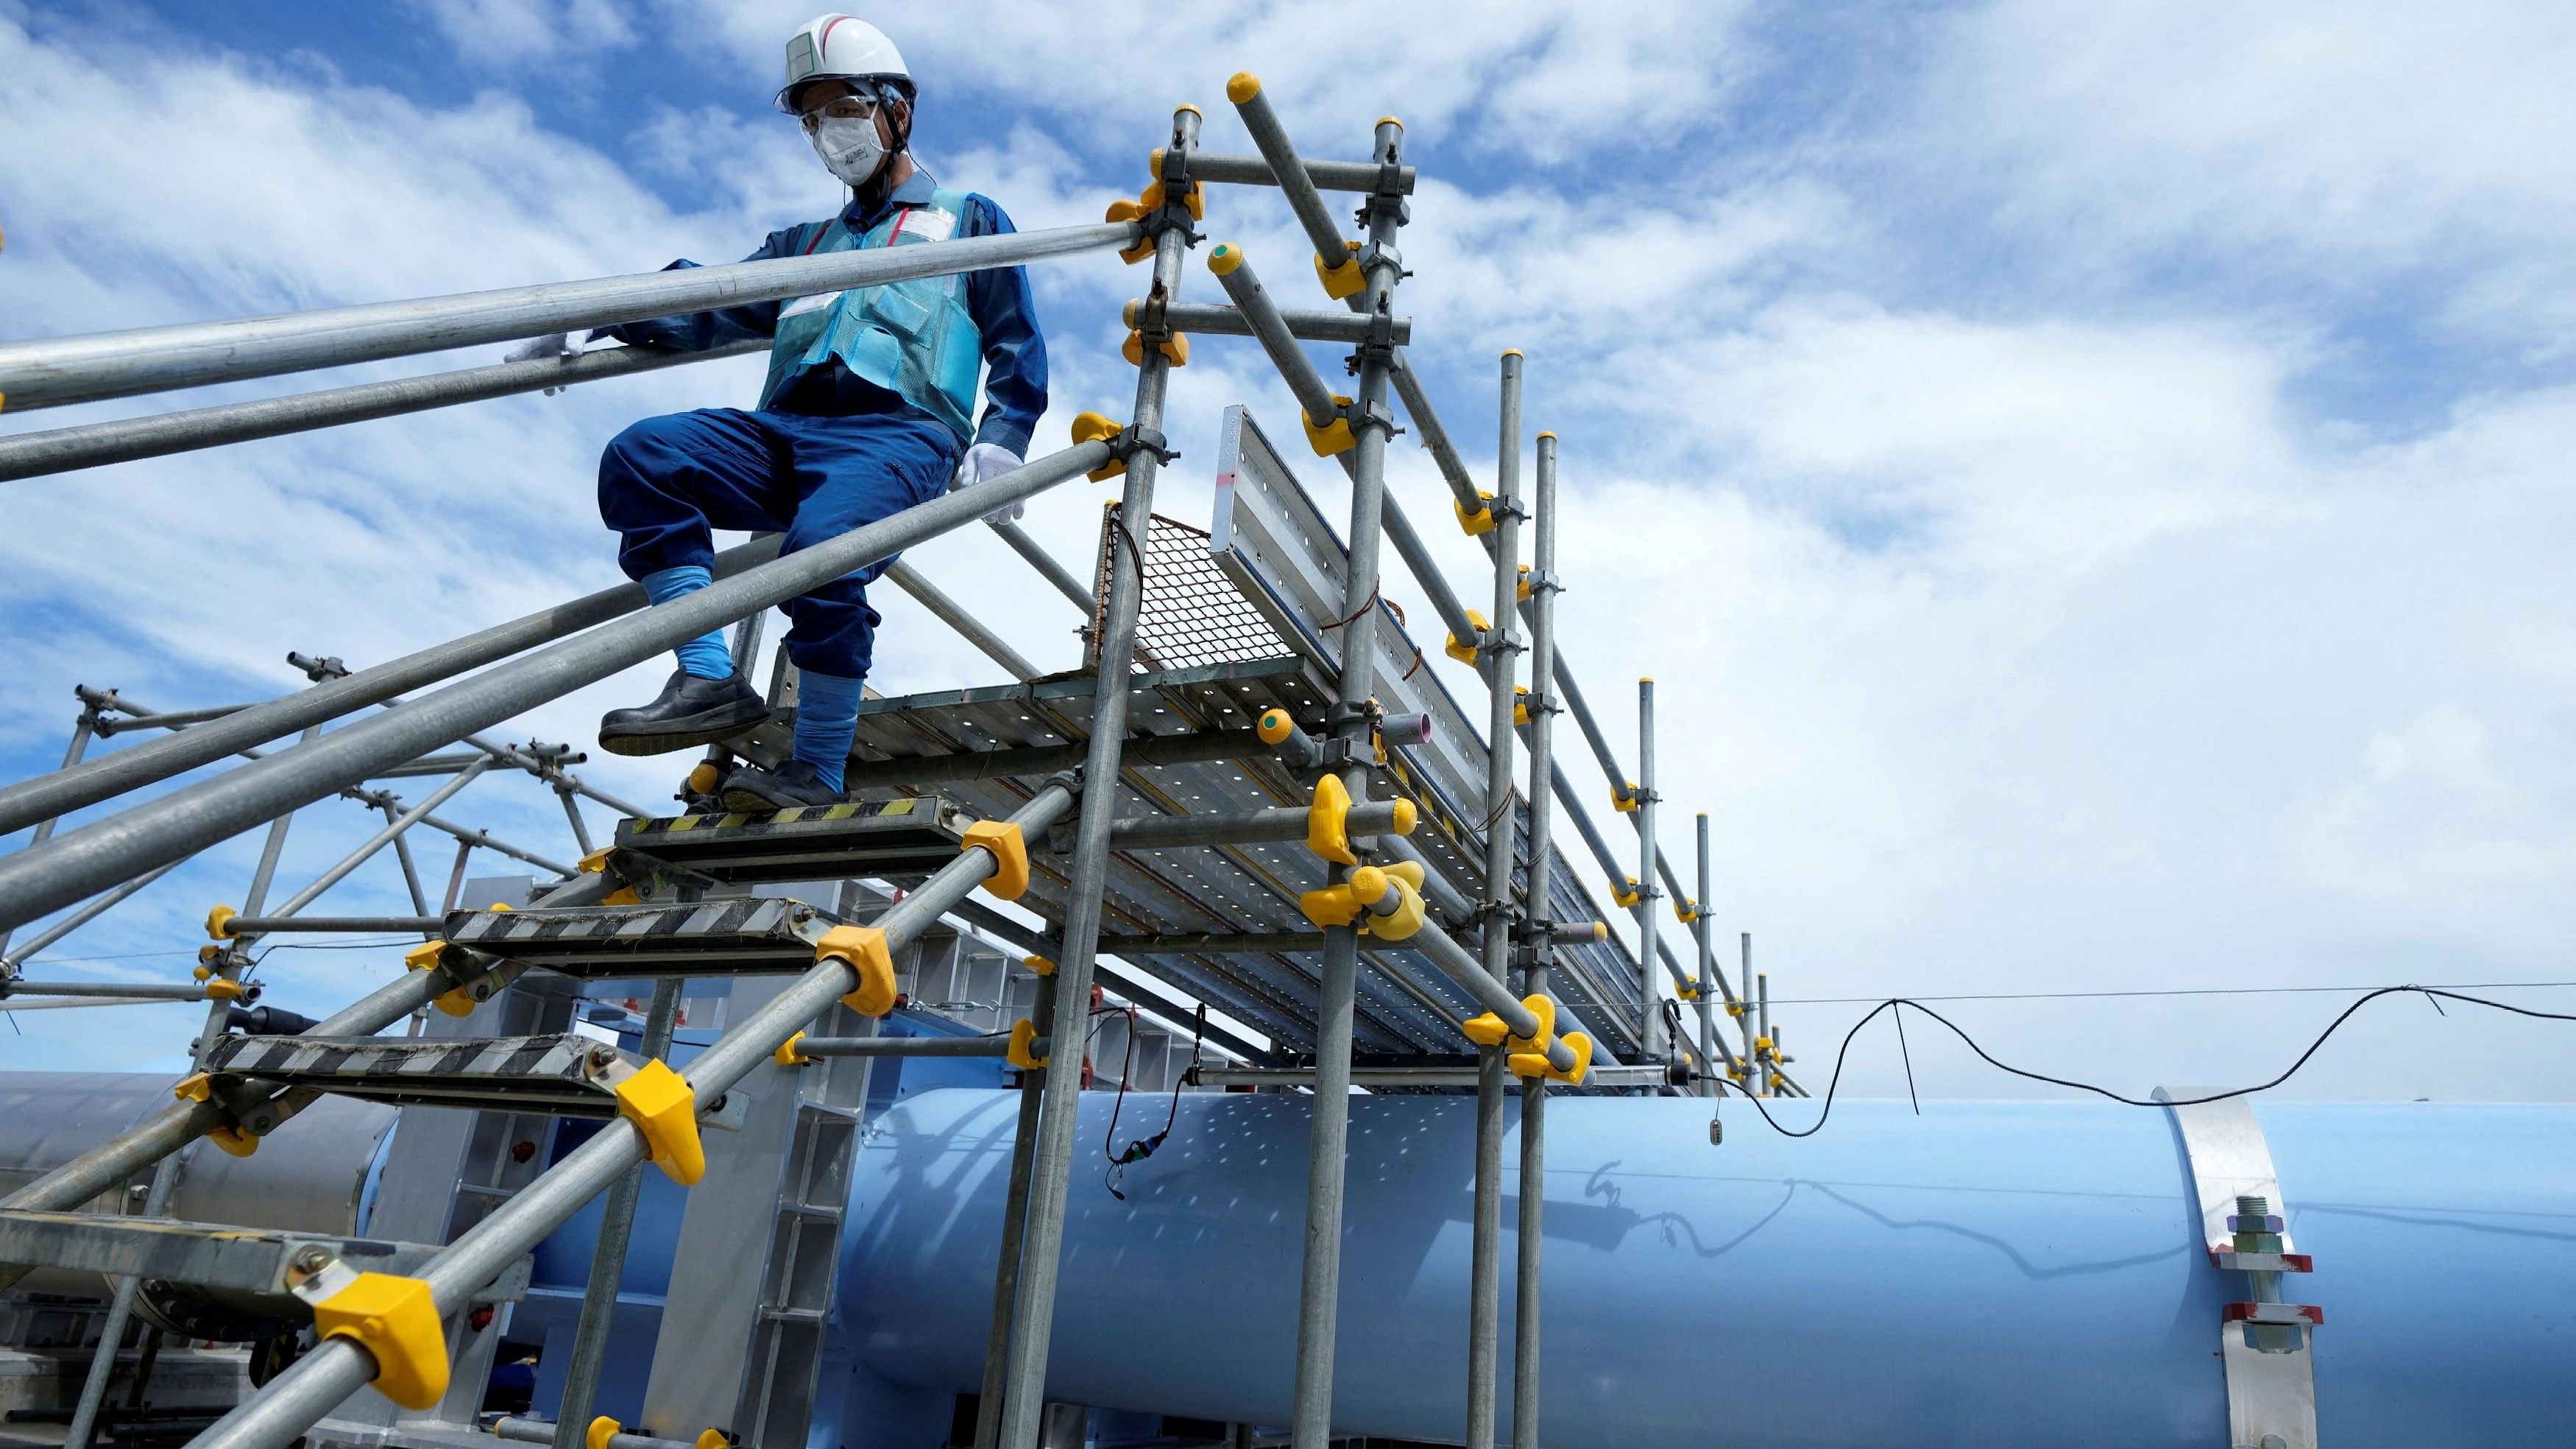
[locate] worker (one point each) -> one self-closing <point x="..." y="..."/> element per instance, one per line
<point x="867" y="411"/>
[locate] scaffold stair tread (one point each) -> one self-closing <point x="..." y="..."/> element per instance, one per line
<point x="560" y="1073"/>
<point x="739" y="935"/>
<point x="260" y="1264"/>
<point x="912" y="836"/>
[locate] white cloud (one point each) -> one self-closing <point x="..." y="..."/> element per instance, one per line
<point x="507" y="33"/>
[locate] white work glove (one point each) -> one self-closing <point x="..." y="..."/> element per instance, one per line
<point x="553" y="344"/>
<point x="990" y="460"/>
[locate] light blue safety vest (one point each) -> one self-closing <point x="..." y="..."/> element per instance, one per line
<point x="915" y="338"/>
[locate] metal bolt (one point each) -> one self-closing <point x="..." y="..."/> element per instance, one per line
<point x="600" y="1056"/>
<point x="311" y="1258"/>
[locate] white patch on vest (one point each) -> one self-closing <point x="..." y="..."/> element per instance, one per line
<point x="815" y="303"/>
<point x="929" y="223"/>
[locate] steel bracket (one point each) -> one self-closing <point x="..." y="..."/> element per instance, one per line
<point x="2271" y="1397"/>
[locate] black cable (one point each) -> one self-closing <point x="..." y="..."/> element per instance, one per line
<point x="1144" y="1147"/>
<point x="1898" y="1003"/>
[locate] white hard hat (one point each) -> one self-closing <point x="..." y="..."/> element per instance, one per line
<point x="840" y="47"/>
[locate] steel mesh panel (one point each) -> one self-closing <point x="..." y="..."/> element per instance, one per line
<point x="1192" y="613"/>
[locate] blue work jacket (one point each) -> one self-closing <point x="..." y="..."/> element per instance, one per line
<point x="999" y="301"/>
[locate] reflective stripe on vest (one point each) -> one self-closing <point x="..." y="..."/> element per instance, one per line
<point x="915" y="339"/>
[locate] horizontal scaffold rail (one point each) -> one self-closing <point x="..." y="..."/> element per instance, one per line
<point x="56" y="371"/>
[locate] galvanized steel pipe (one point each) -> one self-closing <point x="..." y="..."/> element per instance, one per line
<point x="54" y="371"/>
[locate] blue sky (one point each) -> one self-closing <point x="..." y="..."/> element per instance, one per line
<point x="2091" y="486"/>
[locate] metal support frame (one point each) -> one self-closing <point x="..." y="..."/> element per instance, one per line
<point x="1033" y="1301"/>
<point x="1506" y="928"/>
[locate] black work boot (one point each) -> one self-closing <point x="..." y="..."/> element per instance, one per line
<point x="792" y="784"/>
<point x="688" y="713"/>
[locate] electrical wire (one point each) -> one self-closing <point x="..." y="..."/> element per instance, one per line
<point x="1897" y="1004"/>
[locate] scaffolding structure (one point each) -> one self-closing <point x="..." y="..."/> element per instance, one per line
<point x="1254" y="793"/>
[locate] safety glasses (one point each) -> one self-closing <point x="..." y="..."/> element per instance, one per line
<point x="838" y="108"/>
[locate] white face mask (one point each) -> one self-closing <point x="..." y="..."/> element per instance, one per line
<point x="850" y="148"/>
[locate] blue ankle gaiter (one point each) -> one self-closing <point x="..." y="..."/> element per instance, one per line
<point x="827" y="716"/>
<point x="705" y="656"/>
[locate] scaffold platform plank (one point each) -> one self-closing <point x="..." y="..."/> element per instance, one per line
<point x="901" y="837"/>
<point x="736" y="936"/>
<point x="560" y="1073"/>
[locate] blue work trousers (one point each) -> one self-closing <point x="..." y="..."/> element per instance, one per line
<point x="666" y="482"/>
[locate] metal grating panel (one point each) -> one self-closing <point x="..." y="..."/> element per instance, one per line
<point x="1191" y="614"/>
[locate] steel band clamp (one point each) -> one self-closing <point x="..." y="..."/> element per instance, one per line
<point x="2266" y="1346"/>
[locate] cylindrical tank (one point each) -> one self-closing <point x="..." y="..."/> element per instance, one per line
<point x="1985" y="1274"/>
<point x="311" y="1175"/>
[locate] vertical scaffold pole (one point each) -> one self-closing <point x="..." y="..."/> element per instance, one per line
<point x="1015" y="1218"/>
<point x="1706" y="1001"/>
<point x="1746" y="1022"/>
<point x="1499" y="651"/>
<point x="1033" y="1298"/>
<point x="1319" y="1282"/>
<point x="1762" y="1044"/>
<point x="608" y="1254"/>
<point x="1542" y="708"/>
<point x="1649" y="886"/>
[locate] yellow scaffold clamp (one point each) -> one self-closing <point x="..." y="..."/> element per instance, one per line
<point x="230" y="1136"/>
<point x="1176" y="347"/>
<point x="597" y="1433"/>
<point x="1344" y="280"/>
<point x="1686" y="912"/>
<point x="1328" y="822"/>
<point x="1002" y="840"/>
<point x="1489" y="1029"/>
<point x="863" y="949"/>
<point x="1627" y="895"/>
<point x="789" y="1054"/>
<point x="219" y="923"/>
<point x="1626" y="798"/>
<point x="1686" y="991"/>
<point x="395" y="1319"/>
<point x="1333" y="435"/>
<point x="223" y="988"/>
<point x="1098" y="427"/>
<point x="1479" y="522"/>
<point x="1524" y="590"/>
<point x="1520" y="705"/>
<point x="1534" y="1062"/>
<point x="664" y="1108"/>
<point x="1465" y="653"/>
<point x="430" y="956"/>
<point x="1404" y="879"/>
<point x="1022" y="1053"/>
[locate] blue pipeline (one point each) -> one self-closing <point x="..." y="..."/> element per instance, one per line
<point x="1986" y="1274"/>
